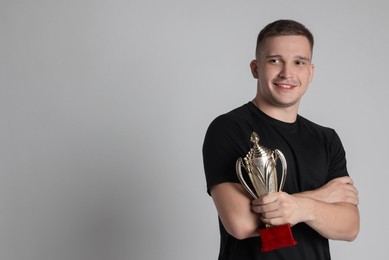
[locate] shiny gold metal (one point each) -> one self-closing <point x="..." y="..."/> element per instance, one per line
<point x="260" y="165"/>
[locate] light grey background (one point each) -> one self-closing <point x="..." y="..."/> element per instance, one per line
<point x="104" y="106"/>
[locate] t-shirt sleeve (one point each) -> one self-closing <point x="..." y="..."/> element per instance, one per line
<point x="224" y="143"/>
<point x="338" y="163"/>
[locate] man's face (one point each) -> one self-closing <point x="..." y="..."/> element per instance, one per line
<point x="284" y="70"/>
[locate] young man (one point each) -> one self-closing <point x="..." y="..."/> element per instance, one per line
<point x="319" y="199"/>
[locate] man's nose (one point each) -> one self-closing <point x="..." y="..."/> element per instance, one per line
<point x="286" y="71"/>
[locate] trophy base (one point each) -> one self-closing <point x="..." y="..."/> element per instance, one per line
<point x="276" y="237"/>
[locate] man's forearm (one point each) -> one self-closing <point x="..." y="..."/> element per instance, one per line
<point x="338" y="221"/>
<point x="340" y="189"/>
<point x="333" y="209"/>
<point x="234" y="209"/>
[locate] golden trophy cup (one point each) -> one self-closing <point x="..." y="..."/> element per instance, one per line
<point x="260" y="166"/>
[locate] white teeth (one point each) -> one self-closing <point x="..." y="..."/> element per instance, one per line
<point x="284" y="86"/>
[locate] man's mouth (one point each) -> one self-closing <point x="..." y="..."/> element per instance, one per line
<point x="285" y="86"/>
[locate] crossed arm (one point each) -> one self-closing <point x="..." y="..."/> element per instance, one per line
<point x="330" y="210"/>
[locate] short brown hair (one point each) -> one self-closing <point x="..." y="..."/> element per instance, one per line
<point x="283" y="27"/>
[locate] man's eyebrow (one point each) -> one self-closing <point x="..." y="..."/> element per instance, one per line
<point x="302" y="58"/>
<point x="273" y="56"/>
<point x="299" y="57"/>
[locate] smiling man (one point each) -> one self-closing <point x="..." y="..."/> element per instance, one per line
<point x="319" y="199"/>
<point x="283" y="72"/>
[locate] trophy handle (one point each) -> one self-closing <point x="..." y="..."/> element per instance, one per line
<point x="281" y="156"/>
<point x="239" y="164"/>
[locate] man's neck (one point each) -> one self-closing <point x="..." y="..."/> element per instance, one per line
<point x="284" y="114"/>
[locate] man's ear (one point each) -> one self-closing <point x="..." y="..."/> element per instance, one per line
<point x="254" y="67"/>
<point x="312" y="70"/>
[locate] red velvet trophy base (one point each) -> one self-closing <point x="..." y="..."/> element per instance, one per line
<point x="276" y="237"/>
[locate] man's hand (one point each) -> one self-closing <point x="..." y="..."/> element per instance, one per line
<point x="280" y="208"/>
<point x="341" y="189"/>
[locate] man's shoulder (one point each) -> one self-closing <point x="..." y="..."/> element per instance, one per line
<point x="238" y="113"/>
<point x="235" y="117"/>
<point x="317" y="129"/>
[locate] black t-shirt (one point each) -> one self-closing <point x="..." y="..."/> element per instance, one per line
<point x="314" y="156"/>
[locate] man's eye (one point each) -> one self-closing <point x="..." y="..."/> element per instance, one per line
<point x="300" y="62"/>
<point x="274" y="61"/>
